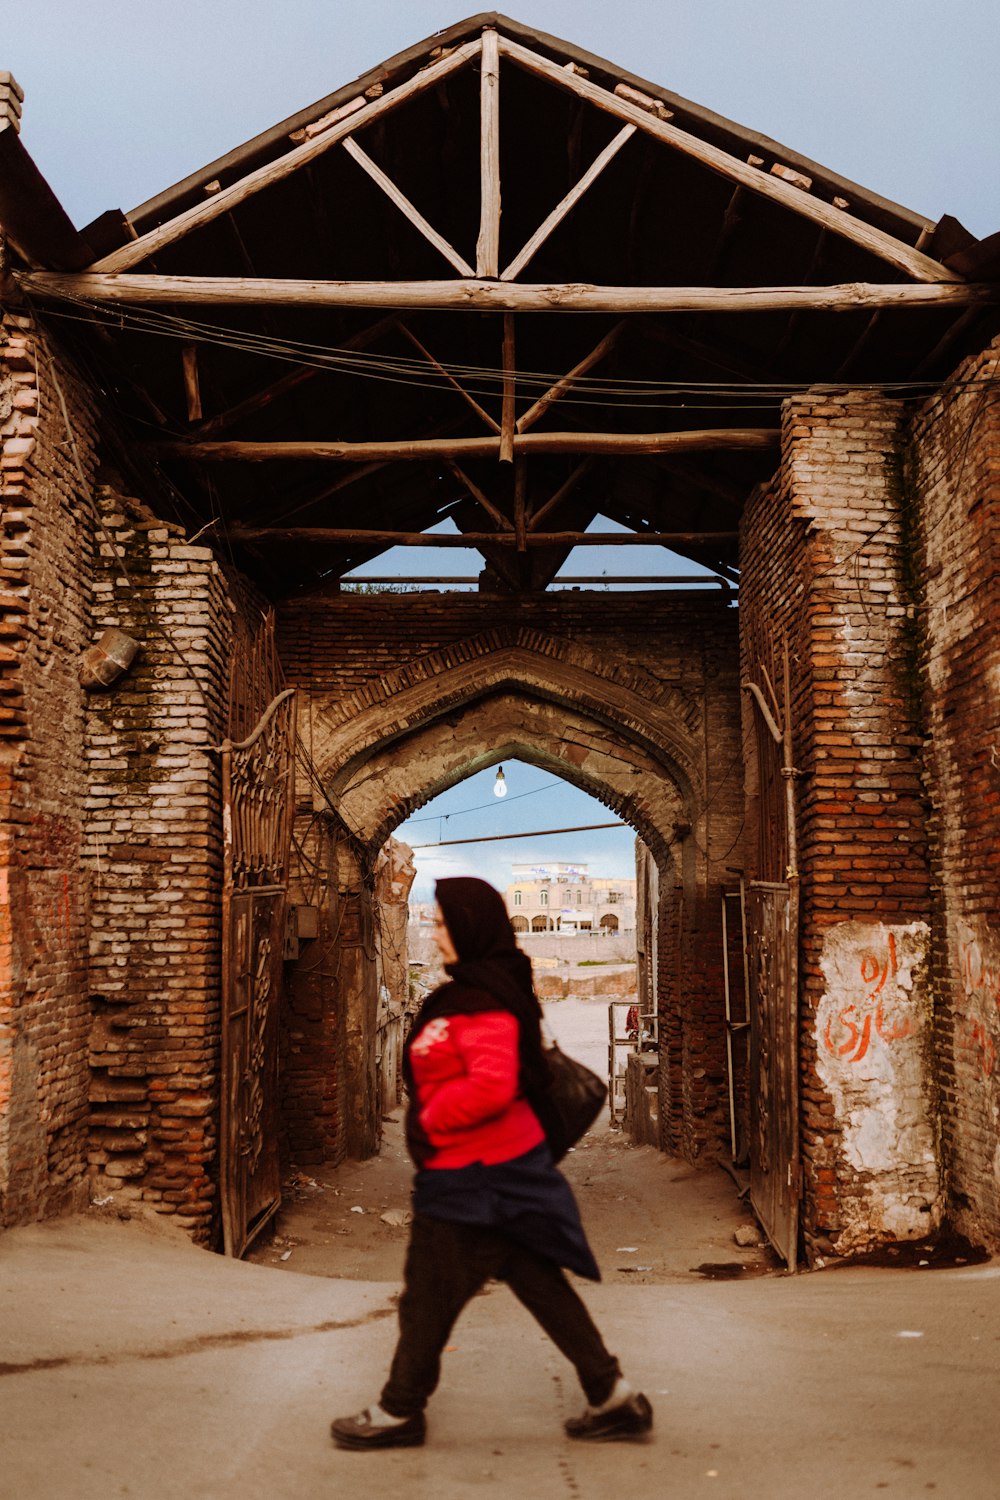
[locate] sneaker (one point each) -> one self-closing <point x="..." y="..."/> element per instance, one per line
<point x="362" y="1432"/>
<point x="632" y="1418"/>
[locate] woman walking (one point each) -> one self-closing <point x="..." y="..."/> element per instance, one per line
<point x="488" y="1201"/>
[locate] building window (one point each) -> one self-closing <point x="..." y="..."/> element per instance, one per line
<point x="517" y="898"/>
<point x="579" y="898"/>
<point x="614" y="897"/>
<point x="543" y="898"/>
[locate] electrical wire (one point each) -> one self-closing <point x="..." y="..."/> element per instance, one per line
<point x="584" y="390"/>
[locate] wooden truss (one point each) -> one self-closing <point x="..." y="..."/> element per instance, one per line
<point x="115" y="280"/>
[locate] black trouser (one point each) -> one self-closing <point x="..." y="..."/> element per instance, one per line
<point x="446" y="1265"/>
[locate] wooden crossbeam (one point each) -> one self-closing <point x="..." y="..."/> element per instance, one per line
<point x="475" y="295"/>
<point x="341" y="536"/>
<point x="541" y="406"/>
<point x="555" y="218"/>
<point x="711" y="439"/>
<point x="904" y="257"/>
<point x="402" y="202"/>
<point x="488" y="244"/>
<point x="229" y="197"/>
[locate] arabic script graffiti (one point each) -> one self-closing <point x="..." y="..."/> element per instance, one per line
<point x="880" y="1012"/>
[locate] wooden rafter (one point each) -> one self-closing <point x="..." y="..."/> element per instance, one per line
<point x="488" y="244"/>
<point x="904" y="257"/>
<point x="480" y="411"/>
<point x="541" y="406"/>
<point x="555" y="218"/>
<point x="274" y="171"/>
<point x="621" y="444"/>
<point x="482" y="499"/>
<point x="268" y="394"/>
<point x="339" y="536"/>
<point x="561" y="494"/>
<point x="402" y="202"/>
<point x="496" y="296"/>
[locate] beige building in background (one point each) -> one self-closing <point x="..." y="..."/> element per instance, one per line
<point x="567" y="898"/>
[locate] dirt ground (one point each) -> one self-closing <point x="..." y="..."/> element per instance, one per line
<point x="650" y="1218"/>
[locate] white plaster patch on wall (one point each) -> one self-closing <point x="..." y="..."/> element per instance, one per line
<point x="978" y="1028"/>
<point x="873" y="1061"/>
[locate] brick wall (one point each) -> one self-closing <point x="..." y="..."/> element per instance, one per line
<point x="46" y="463"/>
<point x="826" y="558"/>
<point x="153" y="854"/>
<point x="954" y="474"/>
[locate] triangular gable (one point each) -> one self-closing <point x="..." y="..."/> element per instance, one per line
<point x="638" y="112"/>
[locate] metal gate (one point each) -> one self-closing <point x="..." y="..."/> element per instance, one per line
<point x="774" y="1100"/>
<point x="257" y="809"/>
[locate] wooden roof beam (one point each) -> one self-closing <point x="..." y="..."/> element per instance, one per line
<point x="475" y="295"/>
<point x="904" y="257"/>
<point x="618" y="444"/>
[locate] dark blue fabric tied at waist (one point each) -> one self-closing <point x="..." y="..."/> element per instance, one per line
<point x="527" y="1199"/>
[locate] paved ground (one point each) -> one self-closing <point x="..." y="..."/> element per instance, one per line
<point x="132" y="1364"/>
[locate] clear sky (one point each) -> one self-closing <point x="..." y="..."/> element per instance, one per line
<point x="123" y="100"/>
<point x="535" y="800"/>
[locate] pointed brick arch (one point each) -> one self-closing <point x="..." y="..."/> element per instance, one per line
<point x="660" y="720"/>
<point x="507" y="726"/>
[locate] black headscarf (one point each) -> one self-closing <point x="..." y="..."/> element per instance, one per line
<point x="491" y="972"/>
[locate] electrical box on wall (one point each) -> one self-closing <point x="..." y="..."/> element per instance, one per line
<point x="301" y="923"/>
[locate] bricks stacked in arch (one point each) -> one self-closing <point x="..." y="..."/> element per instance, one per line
<point x="45" y="542"/>
<point x="954" y="473"/>
<point x="339" y="645"/>
<point x="153" y="852"/>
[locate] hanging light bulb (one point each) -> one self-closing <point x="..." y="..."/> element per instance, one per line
<point x="500" y="786"/>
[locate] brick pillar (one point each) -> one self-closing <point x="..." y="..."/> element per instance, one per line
<point x="827" y="555"/>
<point x="955" y="471"/>
<point x="46" y="468"/>
<point x="153" y="850"/>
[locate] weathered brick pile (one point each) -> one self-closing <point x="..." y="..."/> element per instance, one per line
<point x="153" y="853"/>
<point x="954" y="471"/>
<point x="46" y="458"/>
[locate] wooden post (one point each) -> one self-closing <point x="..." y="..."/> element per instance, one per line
<point x="520" y="503"/>
<point x="488" y="244"/>
<point x="509" y="392"/>
<point x="192" y="388"/>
